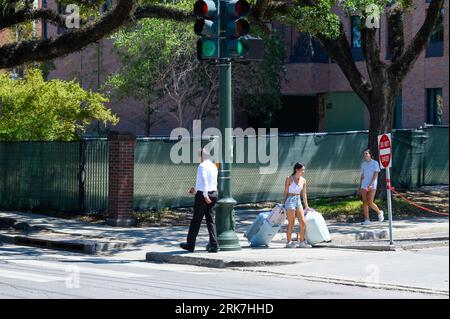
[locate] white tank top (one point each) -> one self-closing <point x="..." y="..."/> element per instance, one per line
<point x="295" y="188"/>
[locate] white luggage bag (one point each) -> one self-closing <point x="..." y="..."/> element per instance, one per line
<point x="316" y="228"/>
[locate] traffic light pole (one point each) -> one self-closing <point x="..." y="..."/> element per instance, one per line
<point x="222" y="26"/>
<point x="225" y="222"/>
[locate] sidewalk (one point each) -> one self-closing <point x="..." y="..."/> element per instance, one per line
<point x="369" y="263"/>
<point x="92" y="238"/>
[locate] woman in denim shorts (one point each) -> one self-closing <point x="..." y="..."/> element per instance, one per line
<point x="294" y="190"/>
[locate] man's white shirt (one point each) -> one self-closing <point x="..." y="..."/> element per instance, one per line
<point x="206" y="177"/>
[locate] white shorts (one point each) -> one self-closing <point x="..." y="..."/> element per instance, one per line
<point x="365" y="185"/>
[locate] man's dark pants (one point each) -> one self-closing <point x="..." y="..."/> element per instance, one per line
<point x="202" y="209"/>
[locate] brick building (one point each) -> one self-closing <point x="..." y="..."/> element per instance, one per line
<point x="317" y="96"/>
<point x="317" y="90"/>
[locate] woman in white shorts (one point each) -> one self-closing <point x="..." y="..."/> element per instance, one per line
<point x="294" y="191"/>
<point x="368" y="186"/>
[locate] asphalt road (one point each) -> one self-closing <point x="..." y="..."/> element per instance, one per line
<point x="37" y="273"/>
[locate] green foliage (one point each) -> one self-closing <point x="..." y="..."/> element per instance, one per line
<point x="339" y="205"/>
<point x="322" y="18"/>
<point x="144" y="50"/>
<point x="148" y="49"/>
<point x="87" y="9"/>
<point x="353" y="207"/>
<point x="262" y="98"/>
<point x="33" y="109"/>
<point x="319" y="19"/>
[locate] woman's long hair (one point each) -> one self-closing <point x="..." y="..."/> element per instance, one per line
<point x="297" y="166"/>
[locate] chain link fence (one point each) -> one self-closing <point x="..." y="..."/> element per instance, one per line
<point x="96" y="178"/>
<point x="73" y="176"/>
<point x="436" y="156"/>
<point x="39" y="175"/>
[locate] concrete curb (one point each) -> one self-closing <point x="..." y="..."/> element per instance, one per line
<point x="359" y="247"/>
<point x="182" y="259"/>
<point x="84" y="246"/>
<point x="185" y="258"/>
<point x="355" y="283"/>
<point x="371" y="235"/>
<point x="384" y="234"/>
<point x="425" y="245"/>
<point x="377" y="234"/>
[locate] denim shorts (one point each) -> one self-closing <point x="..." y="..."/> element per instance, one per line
<point x="293" y="202"/>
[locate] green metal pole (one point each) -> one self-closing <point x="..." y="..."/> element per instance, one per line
<point x="225" y="223"/>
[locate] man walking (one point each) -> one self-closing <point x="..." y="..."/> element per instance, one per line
<point x="205" y="201"/>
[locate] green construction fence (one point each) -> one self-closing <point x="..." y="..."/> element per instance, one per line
<point x="73" y="176"/>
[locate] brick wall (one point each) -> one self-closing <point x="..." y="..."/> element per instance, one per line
<point x="121" y="178"/>
<point x="4" y="36"/>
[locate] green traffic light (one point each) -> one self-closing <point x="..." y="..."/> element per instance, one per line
<point x="242" y="47"/>
<point x="208" y="48"/>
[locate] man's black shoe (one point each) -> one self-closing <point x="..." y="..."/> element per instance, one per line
<point x="186" y="247"/>
<point x="212" y="249"/>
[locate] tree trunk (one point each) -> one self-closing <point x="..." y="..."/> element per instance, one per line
<point x="381" y="112"/>
<point x="148" y="120"/>
<point x="380" y="123"/>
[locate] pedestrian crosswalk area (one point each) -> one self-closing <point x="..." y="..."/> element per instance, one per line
<point x="48" y="275"/>
<point x="42" y="271"/>
<point x="28" y="276"/>
<point x="48" y="269"/>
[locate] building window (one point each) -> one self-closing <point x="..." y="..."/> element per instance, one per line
<point x="44" y="22"/>
<point x="398" y="113"/>
<point x="435" y="106"/>
<point x="356" y="39"/>
<point x="436" y="46"/>
<point x="356" y="32"/>
<point x="62" y="11"/>
<point x="388" y="42"/>
<point x="107" y="5"/>
<point x="44" y="29"/>
<point x="308" y="50"/>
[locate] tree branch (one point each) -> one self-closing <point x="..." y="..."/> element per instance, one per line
<point x="375" y="67"/>
<point x="339" y="50"/>
<point x="27" y="15"/>
<point x="396" y="31"/>
<point x="265" y="10"/>
<point x="403" y="65"/>
<point x="41" y="50"/>
<point x="159" y="11"/>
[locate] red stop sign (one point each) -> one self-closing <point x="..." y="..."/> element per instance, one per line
<point x="385" y="150"/>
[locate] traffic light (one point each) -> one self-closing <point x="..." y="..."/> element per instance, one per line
<point x="224" y="31"/>
<point x="236" y="27"/>
<point x="254" y="48"/>
<point x="207" y="26"/>
<point x="239" y="45"/>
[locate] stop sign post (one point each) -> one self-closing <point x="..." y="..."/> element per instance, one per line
<point x="385" y="150"/>
<point x="385" y="158"/>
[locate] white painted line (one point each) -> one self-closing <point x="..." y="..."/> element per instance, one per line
<point x="21" y="275"/>
<point x="82" y="269"/>
<point x="171" y="267"/>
